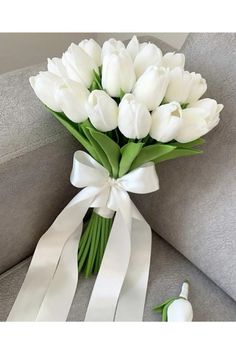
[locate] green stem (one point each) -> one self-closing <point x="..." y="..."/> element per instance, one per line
<point x="93" y="243"/>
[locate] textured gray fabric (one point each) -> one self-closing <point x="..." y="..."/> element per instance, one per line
<point x="196" y="206"/>
<point x="35" y="162"/>
<point x="168" y="270"/>
<point x="34" y="188"/>
<point x="24" y="123"/>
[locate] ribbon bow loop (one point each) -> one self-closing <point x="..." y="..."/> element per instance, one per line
<point x="87" y="172"/>
<point x="142" y="180"/>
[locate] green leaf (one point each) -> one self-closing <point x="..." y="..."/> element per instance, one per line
<point x="100" y="70"/>
<point x="160" y="307"/>
<point x="165" y="310"/>
<point x="177" y="153"/>
<point x="94" y="86"/>
<point x="164" y="313"/>
<point x="151" y="153"/>
<point x="110" y="149"/>
<point x="184" y="105"/>
<point x="129" y="152"/>
<point x="96" y="83"/>
<point x="191" y="144"/>
<point x="100" y="155"/>
<point x="122" y="93"/>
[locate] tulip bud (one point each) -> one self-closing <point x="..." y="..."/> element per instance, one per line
<point x="134" y="119"/>
<point x="118" y="73"/>
<point x="173" y="60"/>
<point x="151" y="86"/>
<point x="212" y="110"/>
<point x="198" y="119"/>
<point x="166" y="122"/>
<point x="45" y="85"/>
<point x="180" y="310"/>
<point x="198" y="88"/>
<point x="79" y="65"/>
<point x="179" y="86"/>
<point x="72" y="98"/>
<point x="56" y="67"/>
<point x="112" y="46"/>
<point x="149" y="55"/>
<point x="185" y="87"/>
<point x="93" y="49"/>
<point x="102" y="111"/>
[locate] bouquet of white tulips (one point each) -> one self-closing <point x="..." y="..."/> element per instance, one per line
<point x="126" y="106"/>
<point x="130" y="107"/>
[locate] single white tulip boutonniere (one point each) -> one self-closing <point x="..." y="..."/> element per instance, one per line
<point x="177" y="309"/>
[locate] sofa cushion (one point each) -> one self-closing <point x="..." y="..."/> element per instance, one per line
<point x="24" y="122"/>
<point x="168" y="270"/>
<point x="36" y="156"/>
<point x="195" y="207"/>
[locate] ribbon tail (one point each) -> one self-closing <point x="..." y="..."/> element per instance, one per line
<point x="131" y="302"/>
<point x="60" y="294"/>
<point x="51" y="255"/>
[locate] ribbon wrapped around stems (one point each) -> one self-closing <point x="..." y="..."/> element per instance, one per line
<point x="120" y="288"/>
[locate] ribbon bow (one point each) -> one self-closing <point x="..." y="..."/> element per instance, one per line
<point x="120" y="288"/>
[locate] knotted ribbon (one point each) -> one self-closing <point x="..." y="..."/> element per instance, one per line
<point x="120" y="288"/>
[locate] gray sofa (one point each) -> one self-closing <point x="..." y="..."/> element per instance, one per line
<point x="192" y="216"/>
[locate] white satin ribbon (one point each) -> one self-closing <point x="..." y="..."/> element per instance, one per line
<point x="120" y="288"/>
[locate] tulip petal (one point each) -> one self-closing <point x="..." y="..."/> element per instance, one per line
<point x="194" y="125"/>
<point x="149" y="55"/>
<point x="102" y="111"/>
<point x="72" y="100"/>
<point x="133" y="47"/>
<point x="134" y="119"/>
<point x="151" y="87"/>
<point x="166" y="122"/>
<point x="79" y="65"/>
<point x="45" y="85"/>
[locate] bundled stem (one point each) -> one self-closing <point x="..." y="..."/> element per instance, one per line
<point x="93" y="243"/>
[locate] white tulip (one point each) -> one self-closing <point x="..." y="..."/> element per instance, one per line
<point x="79" y="65"/>
<point x="112" y="46"/>
<point x="93" y="49"/>
<point x="180" y="310"/>
<point x="45" y="85"/>
<point x="173" y="60"/>
<point x="198" y="119"/>
<point x="118" y="73"/>
<point x="166" y="122"/>
<point x="185" y="87"/>
<point x="72" y="98"/>
<point x="149" y="55"/>
<point x="134" y="119"/>
<point x="102" y="111"/>
<point x="56" y="67"/>
<point x="212" y="110"/>
<point x="151" y="86"/>
<point x="179" y="85"/>
<point x="198" y="88"/>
